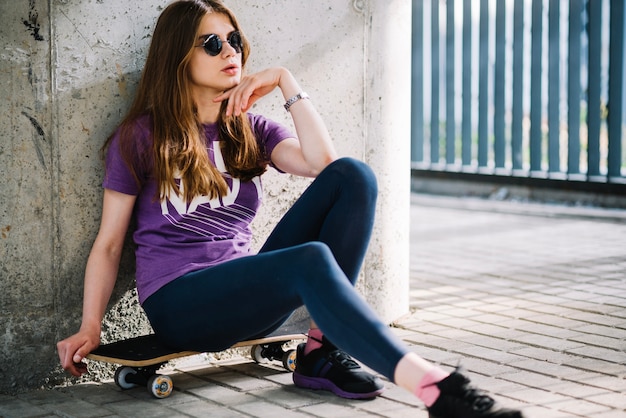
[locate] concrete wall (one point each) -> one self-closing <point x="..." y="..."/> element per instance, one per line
<point x="68" y="70"/>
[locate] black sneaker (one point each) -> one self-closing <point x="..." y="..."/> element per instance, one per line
<point x="329" y="368"/>
<point x="459" y="400"/>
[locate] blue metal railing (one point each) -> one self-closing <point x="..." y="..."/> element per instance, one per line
<point x="520" y="88"/>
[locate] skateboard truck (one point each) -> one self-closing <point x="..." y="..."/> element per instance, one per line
<point x="274" y="351"/>
<point x="159" y="385"/>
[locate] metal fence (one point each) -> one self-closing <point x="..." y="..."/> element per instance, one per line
<point x="520" y="88"/>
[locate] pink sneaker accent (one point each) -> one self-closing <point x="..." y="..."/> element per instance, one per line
<point x="314" y="341"/>
<point x="427" y="390"/>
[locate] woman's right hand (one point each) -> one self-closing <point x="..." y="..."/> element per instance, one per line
<point x="74" y="349"/>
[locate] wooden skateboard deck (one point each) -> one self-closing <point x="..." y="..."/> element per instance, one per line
<point x="147" y="350"/>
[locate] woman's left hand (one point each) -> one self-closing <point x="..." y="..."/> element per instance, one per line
<point x="251" y="88"/>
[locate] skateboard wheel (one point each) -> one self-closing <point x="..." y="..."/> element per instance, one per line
<point x="256" y="352"/>
<point x="289" y="360"/>
<point x="120" y="377"/>
<point x="160" y="386"/>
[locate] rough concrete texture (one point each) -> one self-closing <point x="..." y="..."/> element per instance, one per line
<point x="69" y="69"/>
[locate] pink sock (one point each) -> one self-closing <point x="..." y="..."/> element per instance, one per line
<point x="427" y="390"/>
<point x="314" y="341"/>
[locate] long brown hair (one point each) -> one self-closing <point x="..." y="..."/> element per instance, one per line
<point x="164" y="93"/>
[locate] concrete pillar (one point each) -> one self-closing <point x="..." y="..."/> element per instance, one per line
<point x="387" y="117"/>
<point x="69" y="69"/>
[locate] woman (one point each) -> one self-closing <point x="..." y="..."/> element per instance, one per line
<point x="186" y="161"/>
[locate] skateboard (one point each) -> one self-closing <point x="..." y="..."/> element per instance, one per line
<point x="139" y="358"/>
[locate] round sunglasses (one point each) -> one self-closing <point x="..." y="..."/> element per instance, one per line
<point x="213" y="44"/>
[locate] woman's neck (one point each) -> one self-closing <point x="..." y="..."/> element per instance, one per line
<point x="208" y="115"/>
<point x="208" y="111"/>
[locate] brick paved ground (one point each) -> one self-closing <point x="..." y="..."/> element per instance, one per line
<point x="530" y="299"/>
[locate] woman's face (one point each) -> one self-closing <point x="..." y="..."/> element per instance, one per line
<point x="211" y="75"/>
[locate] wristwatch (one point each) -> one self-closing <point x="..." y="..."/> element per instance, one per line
<point x="294" y="99"/>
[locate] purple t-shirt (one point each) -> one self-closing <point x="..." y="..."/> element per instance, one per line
<point x="174" y="237"/>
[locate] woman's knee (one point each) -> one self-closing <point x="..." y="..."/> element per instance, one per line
<point x="315" y="258"/>
<point x="316" y="266"/>
<point x="355" y="173"/>
<point x="316" y="251"/>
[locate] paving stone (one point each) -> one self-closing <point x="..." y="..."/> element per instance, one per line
<point x="263" y="408"/>
<point x="95" y="394"/>
<point x="545" y="412"/>
<point x="492" y="354"/>
<point x="219" y="394"/>
<point x="540" y="396"/>
<point x="580" y="407"/>
<point x="552" y="343"/>
<point x="616" y="344"/>
<point x="292" y="398"/>
<point x="187" y="381"/>
<point x="204" y="409"/>
<point x="392" y="401"/>
<point x="13" y="407"/>
<point x="612" y="383"/>
<point x="333" y="410"/>
<point x="604" y="355"/>
<point x="578" y="391"/>
<point x="143" y="408"/>
<point x="610" y="414"/>
<point x="546" y="368"/>
<point x="598" y="366"/>
<point x="613" y="400"/>
<point x="79" y="409"/>
<point x="241" y="381"/>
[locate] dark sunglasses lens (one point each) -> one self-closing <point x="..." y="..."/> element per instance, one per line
<point x="235" y="41"/>
<point x="212" y="45"/>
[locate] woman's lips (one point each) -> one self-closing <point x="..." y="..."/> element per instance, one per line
<point x="231" y="69"/>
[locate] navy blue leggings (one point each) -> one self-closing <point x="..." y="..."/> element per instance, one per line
<point x="311" y="258"/>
